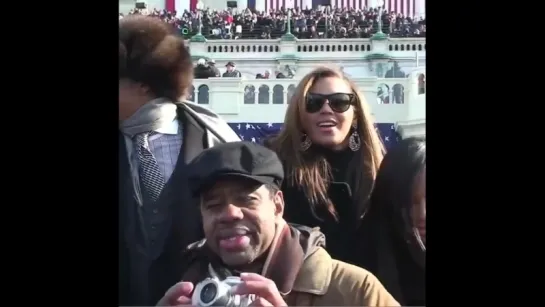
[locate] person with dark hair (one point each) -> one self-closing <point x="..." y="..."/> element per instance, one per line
<point x="397" y="255"/>
<point x="159" y="134"/>
<point x="202" y="71"/>
<point x="246" y="237"/>
<point x="212" y="64"/>
<point x="280" y="75"/>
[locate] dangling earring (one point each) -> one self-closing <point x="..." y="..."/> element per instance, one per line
<point x="354" y="142"/>
<point x="305" y="144"/>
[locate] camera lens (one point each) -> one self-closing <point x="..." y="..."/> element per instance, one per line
<point x="208" y="293"/>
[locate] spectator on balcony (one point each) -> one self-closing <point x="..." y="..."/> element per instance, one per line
<point x="421" y="84"/>
<point x="212" y="64"/>
<point x="159" y="133"/>
<point x="395" y="72"/>
<point x="202" y="71"/>
<point x="291" y="71"/>
<point x="383" y="94"/>
<point x="231" y="71"/>
<point x="279" y="75"/>
<point x="238" y="31"/>
<point x="331" y="154"/>
<point x="267" y="74"/>
<point x="398" y="94"/>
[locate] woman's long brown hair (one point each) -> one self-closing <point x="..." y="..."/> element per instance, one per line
<point x="311" y="173"/>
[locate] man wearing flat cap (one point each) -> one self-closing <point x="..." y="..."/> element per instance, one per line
<point x="238" y="185"/>
<point x="231" y="71"/>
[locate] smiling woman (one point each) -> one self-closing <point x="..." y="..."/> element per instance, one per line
<point x="331" y="152"/>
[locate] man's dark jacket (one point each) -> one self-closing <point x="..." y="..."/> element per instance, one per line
<point x="144" y="276"/>
<point x="232" y="74"/>
<point x="204" y="72"/>
<point x="216" y="71"/>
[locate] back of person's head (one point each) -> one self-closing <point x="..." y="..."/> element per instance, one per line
<point x="259" y="76"/>
<point x="153" y="55"/>
<point x="201" y="61"/>
<point x="397" y="189"/>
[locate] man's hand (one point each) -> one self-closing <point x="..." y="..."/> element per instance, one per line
<point x="177" y="295"/>
<point x="264" y="288"/>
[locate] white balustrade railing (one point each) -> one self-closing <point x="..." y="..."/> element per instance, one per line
<point x="307" y="48"/>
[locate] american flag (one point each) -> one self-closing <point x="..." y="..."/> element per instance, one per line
<point x="257" y="132"/>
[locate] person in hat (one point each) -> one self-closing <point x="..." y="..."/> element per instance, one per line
<point x="238" y="187"/>
<point x="231" y="71"/>
<point x="212" y="65"/>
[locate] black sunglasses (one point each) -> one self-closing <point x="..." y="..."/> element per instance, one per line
<point x="338" y="102"/>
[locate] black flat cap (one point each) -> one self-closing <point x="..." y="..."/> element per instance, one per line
<point x="242" y="159"/>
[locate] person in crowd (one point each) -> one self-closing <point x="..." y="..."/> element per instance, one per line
<point x="395" y="71"/>
<point x="241" y="204"/>
<point x="159" y="133"/>
<point x="212" y="64"/>
<point x="231" y="71"/>
<point x="203" y="71"/>
<point x="331" y="153"/>
<point x="267" y="74"/>
<point x="383" y="94"/>
<point x="279" y="75"/>
<point x="421" y="84"/>
<point x="398" y="94"/>
<point x="399" y="219"/>
<point x="291" y="71"/>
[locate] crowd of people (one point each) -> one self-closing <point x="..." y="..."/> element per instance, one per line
<point x="207" y="69"/>
<point x="313" y="23"/>
<point x="317" y="215"/>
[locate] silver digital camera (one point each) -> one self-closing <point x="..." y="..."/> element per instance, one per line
<point x="214" y="292"/>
